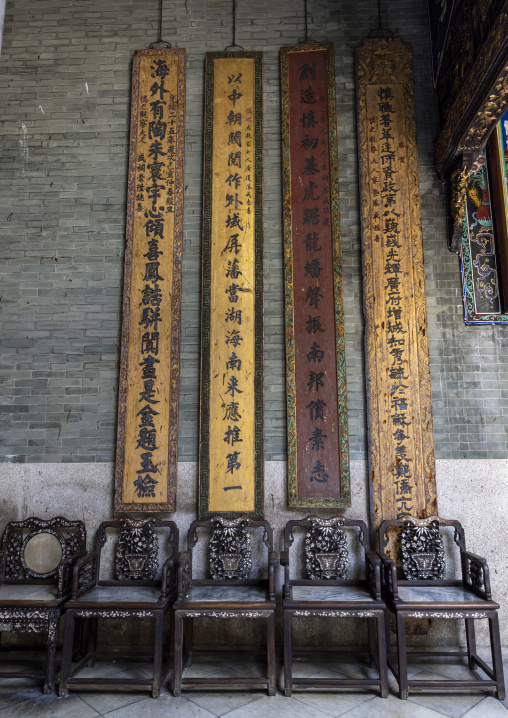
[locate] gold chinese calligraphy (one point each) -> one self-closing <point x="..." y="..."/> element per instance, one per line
<point x="401" y="440"/>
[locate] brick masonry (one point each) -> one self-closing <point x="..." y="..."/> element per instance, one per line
<point x="64" y="94"/>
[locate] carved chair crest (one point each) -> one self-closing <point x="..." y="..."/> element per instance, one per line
<point x="35" y="548"/>
<point x="326" y="552"/>
<point x="422" y="550"/>
<point x="230" y="550"/>
<point x="136" y="551"/>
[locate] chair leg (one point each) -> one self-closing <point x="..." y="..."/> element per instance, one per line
<point x="388" y="636"/>
<point x="68" y="641"/>
<point x="171" y="633"/>
<point x="49" y="684"/>
<point x="471" y="641"/>
<point x="371" y="628"/>
<point x="157" y="655"/>
<point x="189" y="641"/>
<point x="270" y="647"/>
<point x="92" y="641"/>
<point x="382" y="618"/>
<point x="78" y="648"/>
<point x="497" y="659"/>
<point x="402" y="657"/>
<point x="288" y="654"/>
<point x="177" y="655"/>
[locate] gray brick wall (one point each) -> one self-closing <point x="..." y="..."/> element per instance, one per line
<point x="64" y="99"/>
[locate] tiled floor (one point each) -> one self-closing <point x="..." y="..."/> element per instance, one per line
<point x="23" y="699"/>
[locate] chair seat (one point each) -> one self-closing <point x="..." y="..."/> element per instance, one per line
<point x="35" y="594"/>
<point x="440" y="594"/>
<point x="335" y="594"/>
<point x="227" y="594"/>
<point x="118" y="596"/>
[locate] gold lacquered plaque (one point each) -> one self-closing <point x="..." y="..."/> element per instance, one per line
<point x="231" y="441"/>
<point x="148" y="403"/>
<point x="401" y="439"/>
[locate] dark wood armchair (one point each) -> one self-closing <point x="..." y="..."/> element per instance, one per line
<point x="326" y="591"/>
<point x="228" y="593"/>
<point x="418" y="589"/>
<point x="36" y="566"/>
<point x="142" y="587"/>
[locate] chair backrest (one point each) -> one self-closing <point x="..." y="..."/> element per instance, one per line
<point x="421" y="549"/>
<point x="230" y="549"/>
<point x="134" y="550"/>
<point x="326" y="552"/>
<point x="34" y="548"/>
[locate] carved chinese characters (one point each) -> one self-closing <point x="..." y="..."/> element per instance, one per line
<point x="148" y="402"/>
<point x="318" y="449"/>
<point x="231" y="441"/>
<point x="401" y="441"/>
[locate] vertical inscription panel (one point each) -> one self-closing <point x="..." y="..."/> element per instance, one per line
<point x="318" y="447"/>
<point x="146" y="462"/>
<point x="231" y="442"/>
<point x="401" y="440"/>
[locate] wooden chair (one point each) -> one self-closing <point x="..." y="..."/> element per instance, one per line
<point x="140" y="589"/>
<point x="421" y="592"/>
<point x="327" y="592"/>
<point x="35" y="579"/>
<point x="229" y="593"/>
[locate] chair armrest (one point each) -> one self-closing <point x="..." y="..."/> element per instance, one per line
<point x="85" y="574"/>
<point x="476" y="574"/>
<point x="373" y="568"/>
<point x="65" y="570"/>
<point x="273" y="561"/>
<point x="389" y="575"/>
<point x="183" y="574"/>
<point x="168" y="576"/>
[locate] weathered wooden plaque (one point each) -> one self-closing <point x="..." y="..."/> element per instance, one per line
<point x="231" y="431"/>
<point x="146" y="458"/>
<point x="318" y="444"/>
<point x="399" y="402"/>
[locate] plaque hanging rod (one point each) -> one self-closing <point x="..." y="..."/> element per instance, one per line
<point x="159" y="41"/>
<point x="306" y="40"/>
<point x="234" y="44"/>
<point x="380" y="31"/>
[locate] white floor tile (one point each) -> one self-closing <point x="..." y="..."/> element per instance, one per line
<point x="487" y="708"/>
<point x="277" y="707"/>
<point x="164" y="707"/>
<point x="104" y="701"/>
<point x="219" y="703"/>
<point x="335" y="704"/>
<point x="50" y="707"/>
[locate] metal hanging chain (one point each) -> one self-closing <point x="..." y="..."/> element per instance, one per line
<point x="233" y="45"/>
<point x="306" y="40"/>
<point x="380" y="31"/>
<point x="159" y="40"/>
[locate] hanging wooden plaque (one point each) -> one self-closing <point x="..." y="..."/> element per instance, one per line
<point x="231" y="431"/>
<point x="399" y="402"/>
<point x="146" y="458"/>
<point x="318" y="444"/>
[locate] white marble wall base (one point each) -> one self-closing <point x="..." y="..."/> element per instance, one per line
<point x="475" y="492"/>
